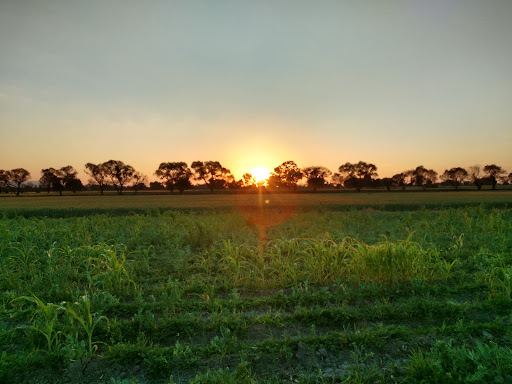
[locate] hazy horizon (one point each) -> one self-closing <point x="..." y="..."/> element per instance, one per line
<point x="398" y="84"/>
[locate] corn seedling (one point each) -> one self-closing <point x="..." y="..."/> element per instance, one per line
<point x="81" y="313"/>
<point x="49" y="314"/>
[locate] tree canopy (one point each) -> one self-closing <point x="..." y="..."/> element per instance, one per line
<point x="358" y="174"/>
<point x="119" y="174"/>
<point x="175" y="175"/>
<point x="14" y="179"/>
<point x="58" y="179"/>
<point x="179" y="176"/>
<point x="98" y="173"/>
<point x="316" y="176"/>
<point x="423" y="177"/>
<point x="286" y="175"/>
<point x="213" y="174"/>
<point x="493" y="172"/>
<point x="455" y="176"/>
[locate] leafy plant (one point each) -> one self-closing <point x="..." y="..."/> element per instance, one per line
<point x="81" y="313"/>
<point x="48" y="322"/>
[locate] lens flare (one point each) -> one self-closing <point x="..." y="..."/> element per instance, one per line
<point x="260" y="173"/>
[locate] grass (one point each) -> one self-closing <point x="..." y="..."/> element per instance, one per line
<point x="208" y="296"/>
<point x="80" y="205"/>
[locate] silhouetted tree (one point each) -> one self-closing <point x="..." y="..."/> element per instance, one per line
<point x="455" y="176"/>
<point x="156" y="186"/>
<point x="510" y="178"/>
<point x="69" y="176"/>
<point x="388" y="182"/>
<point x="423" y="177"/>
<point x="214" y="175"/>
<point x="286" y="175"/>
<point x="4" y="178"/>
<point x="274" y="182"/>
<point x="74" y="185"/>
<point x="119" y="174"/>
<point x="358" y="175"/>
<point x="46" y="179"/>
<point x="58" y="179"/>
<point x="98" y="173"/>
<point x="400" y="179"/>
<point x="337" y="180"/>
<point x="138" y="181"/>
<point x="316" y="176"/>
<point x="474" y="175"/>
<point x="14" y="179"/>
<point x="353" y="182"/>
<point x="51" y="177"/>
<point x="248" y="180"/>
<point x="409" y="177"/>
<point x="493" y="173"/>
<point x="176" y="174"/>
<point x="183" y="184"/>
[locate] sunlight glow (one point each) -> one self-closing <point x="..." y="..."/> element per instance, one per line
<point x="260" y="173"/>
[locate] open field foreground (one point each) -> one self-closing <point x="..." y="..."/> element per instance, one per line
<point x="251" y="295"/>
<point x="80" y="205"/>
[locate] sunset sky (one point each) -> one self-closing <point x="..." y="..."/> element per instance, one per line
<point x="256" y="83"/>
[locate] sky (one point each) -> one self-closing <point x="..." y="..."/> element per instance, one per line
<point x="255" y="83"/>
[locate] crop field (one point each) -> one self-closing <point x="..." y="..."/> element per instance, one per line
<point x="257" y="289"/>
<point x="82" y="204"/>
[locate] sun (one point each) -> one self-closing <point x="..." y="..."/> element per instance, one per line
<point x="260" y="173"/>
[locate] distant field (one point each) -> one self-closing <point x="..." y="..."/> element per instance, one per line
<point x="89" y="204"/>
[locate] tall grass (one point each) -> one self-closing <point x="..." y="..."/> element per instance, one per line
<point x="321" y="261"/>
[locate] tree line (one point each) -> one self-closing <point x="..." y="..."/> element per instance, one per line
<point x="115" y="174"/>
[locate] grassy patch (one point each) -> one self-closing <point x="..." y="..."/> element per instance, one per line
<point x="200" y="296"/>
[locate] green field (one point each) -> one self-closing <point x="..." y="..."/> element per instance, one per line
<point x="52" y="205"/>
<point x="341" y="288"/>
